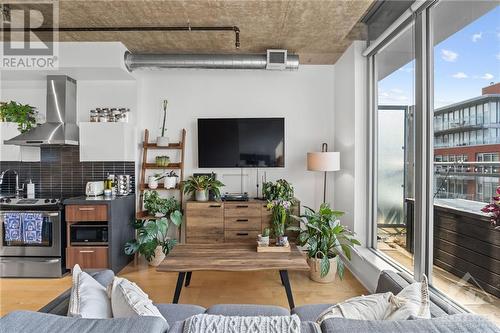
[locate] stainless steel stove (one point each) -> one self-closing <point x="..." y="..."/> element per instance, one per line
<point x="32" y="237"/>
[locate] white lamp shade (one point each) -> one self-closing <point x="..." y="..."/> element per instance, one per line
<point x="323" y="161"/>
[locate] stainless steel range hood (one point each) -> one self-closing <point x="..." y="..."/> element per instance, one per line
<point x="60" y="127"/>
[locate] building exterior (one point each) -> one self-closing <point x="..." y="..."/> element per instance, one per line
<point x="467" y="147"/>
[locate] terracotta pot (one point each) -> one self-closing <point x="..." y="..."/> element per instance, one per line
<point x="201" y="195"/>
<point x="158" y="258"/>
<point x="162" y="141"/>
<point x="315" y="270"/>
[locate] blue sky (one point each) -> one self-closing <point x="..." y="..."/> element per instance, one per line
<point x="464" y="63"/>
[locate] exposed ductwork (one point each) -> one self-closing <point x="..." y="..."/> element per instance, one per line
<point x="205" y="61"/>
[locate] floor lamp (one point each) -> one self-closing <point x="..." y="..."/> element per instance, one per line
<point x="323" y="161"/>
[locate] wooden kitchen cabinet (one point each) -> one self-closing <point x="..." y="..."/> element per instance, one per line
<point x="87" y="256"/>
<point x="80" y="213"/>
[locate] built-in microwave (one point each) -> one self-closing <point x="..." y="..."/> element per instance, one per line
<point x="88" y="234"/>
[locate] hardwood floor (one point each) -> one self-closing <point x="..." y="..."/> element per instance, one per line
<point x="207" y="288"/>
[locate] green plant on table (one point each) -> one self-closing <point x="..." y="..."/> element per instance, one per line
<point x="279" y="196"/>
<point x="325" y="237"/>
<point x="150" y="235"/>
<point x="202" y="183"/>
<point x="22" y="114"/>
<point x="279" y="190"/>
<point x="266" y="232"/>
<point x="170" y="207"/>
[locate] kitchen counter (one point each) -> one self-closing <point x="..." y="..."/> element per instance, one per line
<point x="82" y="200"/>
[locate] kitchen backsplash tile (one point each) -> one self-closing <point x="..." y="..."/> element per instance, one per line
<point x="60" y="174"/>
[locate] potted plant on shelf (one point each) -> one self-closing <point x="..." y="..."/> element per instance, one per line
<point x="200" y="186"/>
<point x="23" y="115"/>
<point x="162" y="141"/>
<point x="263" y="239"/>
<point x="153" y="180"/>
<point x="171" y="180"/>
<point x="279" y="196"/>
<point x="152" y="240"/>
<point x="162" y="161"/>
<point x="328" y="242"/>
<point x="160" y="207"/>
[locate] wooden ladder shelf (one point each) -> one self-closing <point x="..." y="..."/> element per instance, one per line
<point x="143" y="185"/>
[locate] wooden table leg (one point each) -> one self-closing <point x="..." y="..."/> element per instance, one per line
<point x="188" y="279"/>
<point x="288" y="289"/>
<point x="178" y="287"/>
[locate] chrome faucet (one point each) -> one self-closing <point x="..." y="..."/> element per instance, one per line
<point x="18" y="189"/>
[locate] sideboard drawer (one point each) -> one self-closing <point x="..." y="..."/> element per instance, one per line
<point x="204" y="222"/>
<point x="87" y="256"/>
<point x="241" y="209"/>
<point x="237" y="236"/>
<point x="76" y="213"/>
<point x="242" y="223"/>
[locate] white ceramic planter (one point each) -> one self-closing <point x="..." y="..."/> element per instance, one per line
<point x="170" y="182"/>
<point x="152" y="182"/>
<point x="158" y="258"/>
<point x="263" y="240"/>
<point x="201" y="195"/>
<point x="315" y="270"/>
<point x="162" y="141"/>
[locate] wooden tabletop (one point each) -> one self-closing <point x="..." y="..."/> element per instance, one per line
<point x="230" y="257"/>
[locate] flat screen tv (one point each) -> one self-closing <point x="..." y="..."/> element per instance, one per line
<point x="241" y="142"/>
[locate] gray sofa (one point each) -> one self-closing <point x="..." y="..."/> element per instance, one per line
<point x="52" y="317"/>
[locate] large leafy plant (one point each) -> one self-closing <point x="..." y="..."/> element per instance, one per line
<point x="279" y="190"/>
<point x="325" y="237"/>
<point x="279" y="196"/>
<point x="202" y="183"/>
<point x="150" y="235"/>
<point x="22" y="114"/>
<point x="154" y="204"/>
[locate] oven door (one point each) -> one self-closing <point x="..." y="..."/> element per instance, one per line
<point x="49" y="244"/>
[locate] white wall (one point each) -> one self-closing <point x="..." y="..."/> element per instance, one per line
<point x="304" y="98"/>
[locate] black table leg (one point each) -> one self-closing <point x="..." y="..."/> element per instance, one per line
<point x="281" y="277"/>
<point x="178" y="287"/>
<point x="288" y="289"/>
<point x="188" y="279"/>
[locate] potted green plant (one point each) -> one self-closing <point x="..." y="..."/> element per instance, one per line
<point x="263" y="238"/>
<point x="23" y="115"/>
<point x="153" y="181"/>
<point x="152" y="240"/>
<point x="162" y="141"/>
<point x="162" y="160"/>
<point x="279" y="196"/>
<point x="200" y="186"/>
<point x="328" y="242"/>
<point x="160" y="207"/>
<point x="171" y="179"/>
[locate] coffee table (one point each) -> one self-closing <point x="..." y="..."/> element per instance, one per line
<point x="188" y="258"/>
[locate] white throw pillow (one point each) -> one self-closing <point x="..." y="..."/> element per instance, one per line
<point x="88" y="297"/>
<point x="413" y="301"/>
<point x="128" y="300"/>
<point x="371" y="307"/>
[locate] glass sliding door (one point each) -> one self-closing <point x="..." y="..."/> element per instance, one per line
<point x="395" y="76"/>
<point x="466" y="68"/>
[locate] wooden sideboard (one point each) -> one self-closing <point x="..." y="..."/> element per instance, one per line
<point x="228" y="221"/>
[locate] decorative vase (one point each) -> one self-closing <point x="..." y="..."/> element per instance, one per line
<point x="158" y="258"/>
<point x="282" y="240"/>
<point x="201" y="195"/>
<point x="152" y="182"/>
<point x="162" y="141"/>
<point x="315" y="270"/>
<point x="162" y="161"/>
<point x="170" y="182"/>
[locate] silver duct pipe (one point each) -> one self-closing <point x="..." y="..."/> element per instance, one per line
<point x="205" y="61"/>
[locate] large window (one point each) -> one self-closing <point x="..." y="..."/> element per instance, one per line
<point x="435" y="83"/>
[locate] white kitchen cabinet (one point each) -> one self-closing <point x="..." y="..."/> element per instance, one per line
<point x="12" y="152"/>
<point x="107" y="142"/>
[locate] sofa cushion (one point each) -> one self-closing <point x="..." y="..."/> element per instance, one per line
<point x="310" y="312"/>
<point x="462" y="323"/>
<point x="178" y="312"/>
<point x="28" y="321"/>
<point x="247" y="310"/>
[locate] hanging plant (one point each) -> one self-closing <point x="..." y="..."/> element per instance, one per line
<point x="23" y="114"/>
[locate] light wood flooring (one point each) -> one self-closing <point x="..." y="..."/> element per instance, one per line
<point x="207" y="288"/>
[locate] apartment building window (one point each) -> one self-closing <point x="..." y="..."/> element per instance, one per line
<point x="462" y="118"/>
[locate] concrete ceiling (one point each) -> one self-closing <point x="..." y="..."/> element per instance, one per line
<point x="318" y="30"/>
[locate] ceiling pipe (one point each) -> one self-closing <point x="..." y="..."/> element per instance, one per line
<point x="204" y="61"/>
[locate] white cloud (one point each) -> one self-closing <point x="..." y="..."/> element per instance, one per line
<point x="448" y="55"/>
<point x="476" y="37"/>
<point x="460" y="75"/>
<point x="487" y="76"/>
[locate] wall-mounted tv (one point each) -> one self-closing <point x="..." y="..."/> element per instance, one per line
<point x="241" y="142"/>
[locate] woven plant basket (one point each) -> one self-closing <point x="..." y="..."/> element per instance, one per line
<point x="315" y="270"/>
<point x="158" y="258"/>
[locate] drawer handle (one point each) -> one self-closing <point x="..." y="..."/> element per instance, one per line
<point x="241" y="206"/>
<point x="86" y="208"/>
<point x="242" y="220"/>
<point x="86" y="251"/>
<point x="214" y="206"/>
<point x="242" y="234"/>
